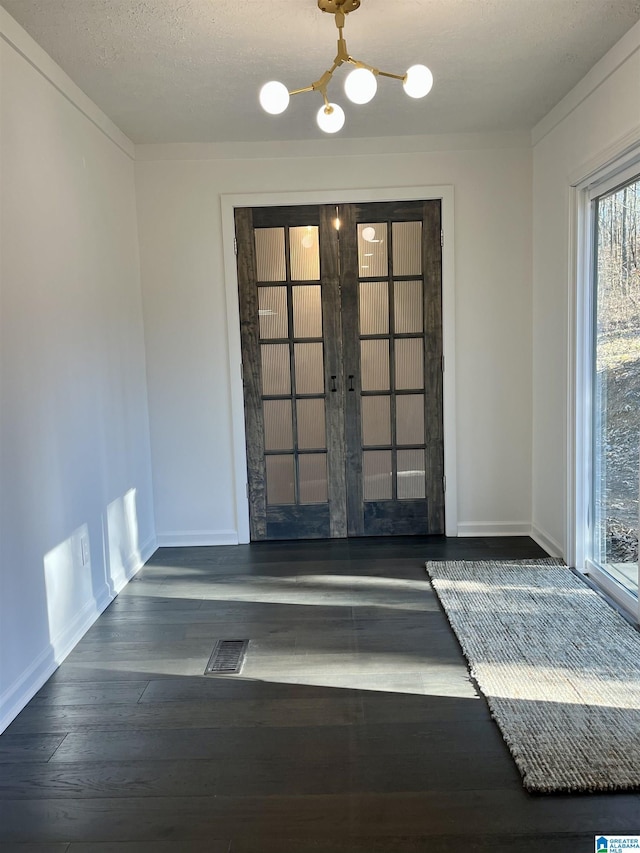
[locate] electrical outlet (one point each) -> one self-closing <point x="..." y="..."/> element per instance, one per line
<point x="84" y="550"/>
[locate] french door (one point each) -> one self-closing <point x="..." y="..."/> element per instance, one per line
<point x="341" y="327"/>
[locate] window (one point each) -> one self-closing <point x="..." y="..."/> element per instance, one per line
<point x="604" y="484"/>
<point x="616" y="383"/>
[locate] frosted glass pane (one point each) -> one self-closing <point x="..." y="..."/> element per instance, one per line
<point x="312" y="479"/>
<point x="280" y="480"/>
<point x="311" y="425"/>
<point x="272" y="312"/>
<point x="374" y="365"/>
<point x="407" y="298"/>
<point x="376" y="420"/>
<point x="305" y="253"/>
<point x="374" y="308"/>
<point x="307" y="311"/>
<point x="376" y="474"/>
<point x="309" y="369"/>
<point x="276" y="370"/>
<point x="278" y="426"/>
<point x="409" y="364"/>
<point x="407" y="248"/>
<point x="410" y="419"/>
<point x="373" y="259"/>
<point x="270" y="254"/>
<point x="411" y="474"/>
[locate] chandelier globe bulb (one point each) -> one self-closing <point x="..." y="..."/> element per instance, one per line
<point x="330" y="118"/>
<point x="418" y="81"/>
<point x="274" y="97"/>
<point x="361" y="86"/>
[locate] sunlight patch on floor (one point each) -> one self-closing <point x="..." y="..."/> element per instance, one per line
<point x="308" y="590"/>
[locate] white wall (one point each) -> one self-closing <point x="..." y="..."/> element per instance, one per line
<point x="579" y="134"/>
<point x="178" y="193"/>
<point x="74" y="448"/>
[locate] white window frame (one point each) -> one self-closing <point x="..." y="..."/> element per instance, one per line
<point x="617" y="166"/>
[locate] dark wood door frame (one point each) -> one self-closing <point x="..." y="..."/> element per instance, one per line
<point x="231" y="202"/>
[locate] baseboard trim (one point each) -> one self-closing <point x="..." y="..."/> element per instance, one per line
<point x="147" y="550"/>
<point x="195" y="538"/>
<point x="133" y="564"/>
<point x="22" y="691"/>
<point x="547" y="542"/>
<point x="505" y="528"/>
<point x="16" y="697"/>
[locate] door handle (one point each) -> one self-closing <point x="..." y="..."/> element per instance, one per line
<point x="351" y="378"/>
<point x="334" y="387"/>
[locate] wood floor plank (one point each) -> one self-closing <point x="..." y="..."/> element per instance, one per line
<point x="274" y="611"/>
<point x="131" y="745"/>
<point x="335" y="663"/>
<point x="502" y="812"/>
<point x="90" y="693"/>
<point x="565" y="843"/>
<point x="94" y="780"/>
<point x="225" y="713"/>
<point x="426" y="738"/>
<point x="138" y="669"/>
<point x="399" y="709"/>
<point x="106" y="671"/>
<point x="34" y="847"/>
<point x="123" y="620"/>
<point x="141" y="604"/>
<point x="182" y="818"/>
<point x="211" y="845"/>
<point x="128" y="652"/>
<point x="190" y="651"/>
<point x="272" y="629"/>
<point x="15" y="746"/>
<point x="350" y="678"/>
<point x="211" y="688"/>
<point x="132" y="631"/>
<point x="426" y="814"/>
<point x="283" y="775"/>
<point x="359" y="773"/>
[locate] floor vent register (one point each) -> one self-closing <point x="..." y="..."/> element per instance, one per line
<point x="227" y="657"/>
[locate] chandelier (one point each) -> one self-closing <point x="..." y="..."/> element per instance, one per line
<point x="360" y="85"/>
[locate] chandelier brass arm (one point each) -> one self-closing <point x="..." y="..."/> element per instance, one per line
<point x="361" y="84"/>
<point x="342" y="56"/>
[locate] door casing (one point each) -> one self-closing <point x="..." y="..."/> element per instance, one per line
<point x="228" y="205"/>
<point x="344" y="509"/>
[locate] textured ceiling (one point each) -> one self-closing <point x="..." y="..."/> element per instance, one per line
<point x="189" y="70"/>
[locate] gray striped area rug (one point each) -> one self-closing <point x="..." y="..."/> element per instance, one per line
<point x="559" y="667"/>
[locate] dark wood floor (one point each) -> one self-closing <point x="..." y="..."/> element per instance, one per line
<point x="354" y="727"/>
